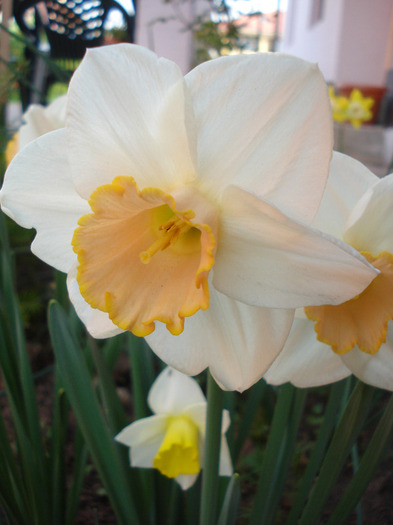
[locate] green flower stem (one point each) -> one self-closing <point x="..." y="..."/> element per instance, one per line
<point x="210" y="480"/>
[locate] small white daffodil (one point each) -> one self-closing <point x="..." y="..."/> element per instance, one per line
<point x="172" y="440"/>
<point x="36" y="121"/>
<point x="329" y="342"/>
<point x="180" y="206"/>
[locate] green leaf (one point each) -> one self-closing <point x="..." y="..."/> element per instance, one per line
<point x="231" y="503"/>
<point x="252" y="405"/>
<point x="348" y="429"/>
<point x="85" y="406"/>
<point x="317" y="455"/>
<point x="278" y="454"/>
<point x="209" y="493"/>
<point x="368" y="465"/>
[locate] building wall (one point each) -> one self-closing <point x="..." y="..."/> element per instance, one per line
<point x="364" y="42"/>
<point x="349" y="42"/>
<point x="318" y="41"/>
<point x="163" y="27"/>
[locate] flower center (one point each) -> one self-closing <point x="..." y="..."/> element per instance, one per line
<point x="141" y="259"/>
<point x="356" y="110"/>
<point x="178" y="453"/>
<point x="363" y="320"/>
<point x="171" y="230"/>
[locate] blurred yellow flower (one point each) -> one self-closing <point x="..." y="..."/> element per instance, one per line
<point x="356" y="109"/>
<point x="359" y="108"/>
<point x="339" y="105"/>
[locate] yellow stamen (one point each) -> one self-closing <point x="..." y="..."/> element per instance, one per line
<point x="172" y="230"/>
<point x="178" y="453"/>
<point x="363" y="320"/>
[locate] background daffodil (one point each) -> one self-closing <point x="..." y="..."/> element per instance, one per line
<point x="180" y="206"/>
<point x="355" y="109"/>
<point x="339" y="105"/>
<point x="172" y="440"/>
<point x="37" y="121"/>
<point x="357" y="208"/>
<point x="359" y="108"/>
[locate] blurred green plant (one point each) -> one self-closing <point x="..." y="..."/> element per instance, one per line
<point x="215" y="39"/>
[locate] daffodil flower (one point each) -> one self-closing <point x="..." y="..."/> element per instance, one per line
<point x="359" y="108"/>
<point x="331" y="342"/>
<point x="339" y="105"/>
<point x="37" y="121"/>
<point x="180" y="206"/>
<point x="172" y="440"/>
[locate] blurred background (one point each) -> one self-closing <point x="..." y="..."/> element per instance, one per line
<point x="42" y="42"/>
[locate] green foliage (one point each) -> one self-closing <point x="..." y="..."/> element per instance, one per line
<point x="213" y="40"/>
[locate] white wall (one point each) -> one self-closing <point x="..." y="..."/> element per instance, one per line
<point x="162" y="27"/>
<point x="318" y="42"/>
<point x="349" y="43"/>
<point x="364" y="41"/>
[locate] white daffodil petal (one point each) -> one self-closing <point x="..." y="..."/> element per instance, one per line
<point x="305" y="361"/>
<point x="267" y="259"/>
<point x="126" y="116"/>
<point x="39" y="120"/>
<point x="198" y="415"/>
<point x="97" y="323"/>
<point x="236" y="341"/>
<point x="225" y="467"/>
<point x="186" y="480"/>
<point x="377" y="369"/>
<point x="264" y="124"/>
<point x="348" y="181"/>
<point x="173" y="391"/>
<point x="143" y="431"/>
<point x="142" y="455"/>
<point x="38" y="193"/>
<point x="369" y="227"/>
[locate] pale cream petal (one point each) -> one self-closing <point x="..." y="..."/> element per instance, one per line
<point x="304" y="361"/>
<point x="198" y="414"/>
<point x="225" y="467"/>
<point x="127" y="115"/>
<point x="237" y="342"/>
<point x="377" y="369"/>
<point x="97" y="323"/>
<point x="348" y="181"/>
<point x="369" y="227"/>
<point x="144" y="437"/>
<point x="264" y="123"/>
<point x="38" y="193"/>
<point x="186" y="480"/>
<point x="265" y="258"/>
<point x="39" y="120"/>
<point x="142" y="431"/>
<point x="173" y="391"/>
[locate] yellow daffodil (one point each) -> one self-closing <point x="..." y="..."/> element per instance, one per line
<point x="37" y="121"/>
<point x="359" y="108"/>
<point x="339" y="105"/>
<point x="172" y="440"/>
<point x="180" y="206"/>
<point x="331" y="342"/>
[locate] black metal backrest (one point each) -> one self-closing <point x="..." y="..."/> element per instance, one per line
<point x="71" y="26"/>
